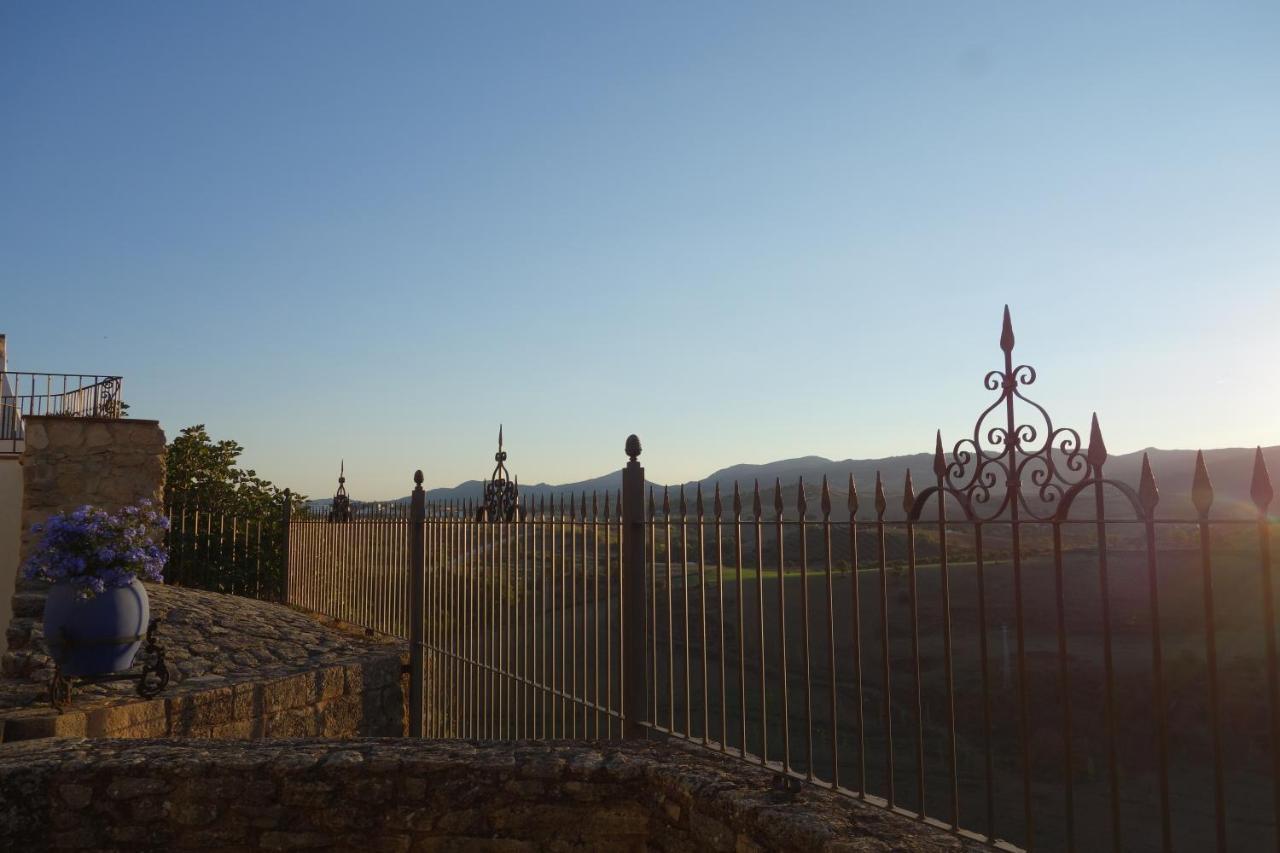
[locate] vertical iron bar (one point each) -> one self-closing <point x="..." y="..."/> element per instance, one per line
<point x="881" y="505"/>
<point x="831" y="633"/>
<point x="988" y="761"/>
<point x="1262" y="494"/>
<point x="1064" y="684"/>
<point x="758" y="524"/>
<point x="632" y="583"/>
<point x="1202" y="497"/>
<point x="856" y="594"/>
<point x="1014" y="489"/>
<point x="739" y="595"/>
<point x="1113" y="763"/>
<point x="417" y="568"/>
<point x="804" y="630"/>
<point x="286" y="524"/>
<point x="702" y="614"/>
<point x="724" y="696"/>
<point x="908" y="505"/>
<point x="782" y="628"/>
<point x="1148" y="497"/>
<point x="571" y="618"/>
<point x="684" y="615"/>
<point x="671" y="636"/>
<point x="940" y="472"/>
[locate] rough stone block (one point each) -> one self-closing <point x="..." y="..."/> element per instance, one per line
<point x="147" y="718"/>
<point x="294" y="840"/>
<point x="300" y="722"/>
<point x="711" y="832"/>
<point x="193" y="812"/>
<point x="341" y="717"/>
<point x="282" y="694"/>
<point x="128" y="787"/>
<point x="37" y="435"/>
<point x="76" y="796"/>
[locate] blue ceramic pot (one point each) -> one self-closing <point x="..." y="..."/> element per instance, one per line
<point x="98" y="635"/>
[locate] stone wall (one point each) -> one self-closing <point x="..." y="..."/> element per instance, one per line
<point x="68" y="462"/>
<point x="403" y="795"/>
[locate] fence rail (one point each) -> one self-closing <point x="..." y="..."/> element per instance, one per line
<point x="1021" y="651"/>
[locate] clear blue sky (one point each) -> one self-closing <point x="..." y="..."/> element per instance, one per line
<point x="743" y="231"/>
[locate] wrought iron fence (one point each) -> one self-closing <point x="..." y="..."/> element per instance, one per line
<point x="1136" y="705"/>
<point x="223" y="552"/>
<point x="25" y="394"/>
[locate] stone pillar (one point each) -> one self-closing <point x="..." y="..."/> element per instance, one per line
<point x="68" y="462"/>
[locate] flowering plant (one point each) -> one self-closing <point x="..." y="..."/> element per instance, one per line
<point x="95" y="550"/>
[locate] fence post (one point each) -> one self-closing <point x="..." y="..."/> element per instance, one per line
<point x="633" y="569"/>
<point x="417" y="591"/>
<point x="286" y="517"/>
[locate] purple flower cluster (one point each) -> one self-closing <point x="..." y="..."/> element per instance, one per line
<point x="95" y="550"/>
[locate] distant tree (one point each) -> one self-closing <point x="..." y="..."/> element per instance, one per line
<point x="203" y="473"/>
<point x="226" y="532"/>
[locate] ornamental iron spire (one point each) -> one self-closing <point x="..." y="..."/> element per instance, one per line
<point x="340" y="510"/>
<point x="501" y="493"/>
<point x="1016" y="463"/>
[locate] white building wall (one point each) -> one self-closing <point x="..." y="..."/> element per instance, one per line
<point x="10" y="535"/>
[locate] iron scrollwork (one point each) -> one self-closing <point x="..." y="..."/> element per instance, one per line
<point x="1048" y="459"/>
<point x="501" y="493"/>
<point x="340" y="509"/>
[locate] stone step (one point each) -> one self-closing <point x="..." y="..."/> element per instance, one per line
<point x="28" y="604"/>
<point x="18" y="634"/>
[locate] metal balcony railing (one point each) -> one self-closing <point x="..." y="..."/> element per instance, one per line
<point x="77" y="395"/>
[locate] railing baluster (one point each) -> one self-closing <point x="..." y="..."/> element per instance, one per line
<point x="802" y="512"/>
<point x="831" y="632"/>
<point x="702" y="616"/>
<point x="1148" y="496"/>
<point x="881" y="505"/>
<point x="739" y="596"/>
<point x="1261" y="492"/>
<point x="1202" y="497"/>
<point x="1096" y="457"/>
<point x="718" y="509"/>
<point x="856" y="593"/>
<point x="908" y="505"/>
<point x="782" y="627"/>
<point x="758" y="526"/>
<point x="1064" y="683"/>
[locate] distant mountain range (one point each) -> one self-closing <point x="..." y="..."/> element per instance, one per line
<point x="1230" y="471"/>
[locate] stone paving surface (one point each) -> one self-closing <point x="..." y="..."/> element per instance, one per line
<point x="401" y="795"/>
<point x="211" y="641"/>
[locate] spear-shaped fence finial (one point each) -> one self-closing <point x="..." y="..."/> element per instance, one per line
<point x="1148" y="494"/>
<point x="825" y="499"/>
<point x="1260" y="488"/>
<point x="939" y="459"/>
<point x="1097" y="454"/>
<point x="881" y="503"/>
<point x="1006" y="332"/>
<point x="1201" y="487"/>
